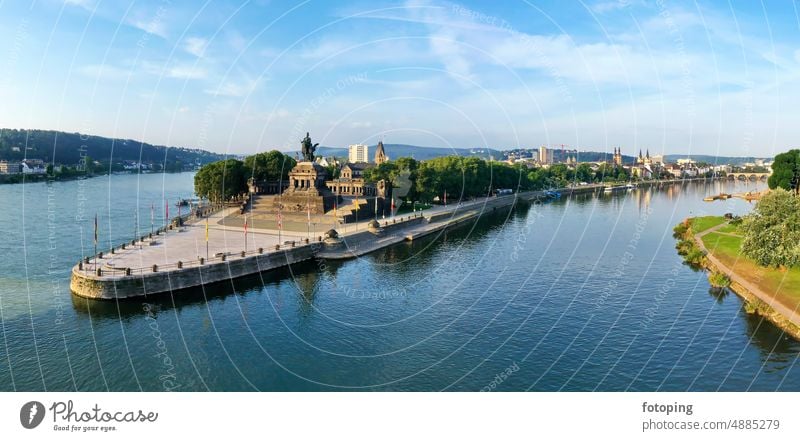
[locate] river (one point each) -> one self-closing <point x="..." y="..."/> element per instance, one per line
<point x="584" y="293"/>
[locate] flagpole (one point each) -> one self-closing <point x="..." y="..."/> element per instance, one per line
<point x="206" y="235"/>
<point x="152" y="218"/>
<point x="95" y="242"/>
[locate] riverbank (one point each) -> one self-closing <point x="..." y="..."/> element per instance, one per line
<point x="771" y="293"/>
<point x="195" y="255"/>
<point x="20" y="178"/>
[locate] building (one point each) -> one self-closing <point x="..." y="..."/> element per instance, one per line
<point x="380" y="154"/>
<point x="545" y="155"/>
<point x="351" y="181"/>
<point x="33" y="167"/>
<point x="644" y="160"/>
<point x="358" y="153"/>
<point x="618" y="156"/>
<point x="10" y="167"/>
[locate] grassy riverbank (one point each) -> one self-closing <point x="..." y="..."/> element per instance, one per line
<point x="714" y="243"/>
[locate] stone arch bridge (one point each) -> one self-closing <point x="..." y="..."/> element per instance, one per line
<point x="744" y="176"/>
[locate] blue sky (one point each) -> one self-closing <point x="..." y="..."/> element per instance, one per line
<point x="240" y="77"/>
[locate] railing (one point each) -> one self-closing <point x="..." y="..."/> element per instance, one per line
<point x="91" y="266"/>
<point x="88" y="266"/>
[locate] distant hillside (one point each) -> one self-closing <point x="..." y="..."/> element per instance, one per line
<point x="68" y="148"/>
<point x="733" y="160"/>
<point x="420" y="153"/>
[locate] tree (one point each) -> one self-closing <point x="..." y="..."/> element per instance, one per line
<point x="772" y="230"/>
<point x="220" y="180"/>
<point x="785" y="171"/>
<point x="583" y="173"/>
<point x="270" y="166"/>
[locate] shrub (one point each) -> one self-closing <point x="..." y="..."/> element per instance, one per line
<point x="719" y="280"/>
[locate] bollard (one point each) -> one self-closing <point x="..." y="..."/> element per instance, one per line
<point x="242" y="253"/>
<point x="277" y="247"/>
<point x="127" y="271"/>
<point x="306" y="240"/>
<point x="100" y="255"/>
<point x="112" y="250"/>
<point x="86" y="260"/>
<point x="202" y="260"/>
<point x="80" y="265"/>
<point x="155" y="268"/>
<point x="133" y="242"/>
<point x="123" y="246"/>
<point x="260" y="250"/>
<point x="150" y="235"/>
<point x="319" y="238"/>
<point x="222" y="257"/>
<point x="180" y="264"/>
<point x="292" y="244"/>
<point x="99" y="272"/>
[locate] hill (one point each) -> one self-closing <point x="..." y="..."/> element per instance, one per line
<point x="68" y="148"/>
<point x="733" y="160"/>
<point x="417" y="152"/>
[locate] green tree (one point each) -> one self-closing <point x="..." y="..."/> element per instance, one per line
<point x="269" y="166"/>
<point x="583" y="173"/>
<point x="772" y="230"/>
<point x="220" y="180"/>
<point x="785" y="171"/>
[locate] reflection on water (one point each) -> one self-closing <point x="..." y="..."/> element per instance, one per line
<point x="581" y="293"/>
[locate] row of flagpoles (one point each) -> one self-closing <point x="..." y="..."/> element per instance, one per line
<point x="279" y="221"/>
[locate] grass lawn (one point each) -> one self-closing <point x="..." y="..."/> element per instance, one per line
<point x="732" y="229"/>
<point x="700" y="224"/>
<point x="781" y="284"/>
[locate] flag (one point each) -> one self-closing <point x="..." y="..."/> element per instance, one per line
<point x="95" y="229"/>
<point x="245" y="227"/>
<point x="280" y="223"/>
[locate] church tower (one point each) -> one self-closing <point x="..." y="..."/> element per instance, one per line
<point x="380" y="154"/>
<point x="618" y="156"/>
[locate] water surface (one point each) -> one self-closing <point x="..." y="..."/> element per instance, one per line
<point x="586" y="293"/>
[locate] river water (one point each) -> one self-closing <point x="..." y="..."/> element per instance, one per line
<point x="585" y="293"/>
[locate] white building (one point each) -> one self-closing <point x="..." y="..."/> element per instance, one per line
<point x="10" y="167"/>
<point x="358" y="153"/>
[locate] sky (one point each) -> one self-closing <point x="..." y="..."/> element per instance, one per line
<point x="716" y="78"/>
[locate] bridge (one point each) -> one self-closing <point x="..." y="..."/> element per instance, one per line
<point x="744" y="176"/>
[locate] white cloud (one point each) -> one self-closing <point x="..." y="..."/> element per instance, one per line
<point x="234" y="89"/>
<point x="85" y="4"/>
<point x="103" y="71"/>
<point x="186" y="71"/>
<point x="195" y="46"/>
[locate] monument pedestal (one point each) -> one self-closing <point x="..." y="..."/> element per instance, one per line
<point x="306" y="192"/>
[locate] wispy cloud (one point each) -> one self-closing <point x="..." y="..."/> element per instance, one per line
<point x="195" y="46"/>
<point x="234" y="89"/>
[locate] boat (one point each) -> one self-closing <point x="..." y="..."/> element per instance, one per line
<point x="186" y="202"/>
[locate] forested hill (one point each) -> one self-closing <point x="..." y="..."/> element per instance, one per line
<point x="68" y="148"/>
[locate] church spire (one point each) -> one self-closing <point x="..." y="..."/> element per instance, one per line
<point x="380" y="154"/>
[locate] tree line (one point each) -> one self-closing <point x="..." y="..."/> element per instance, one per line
<point x="222" y="180"/>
